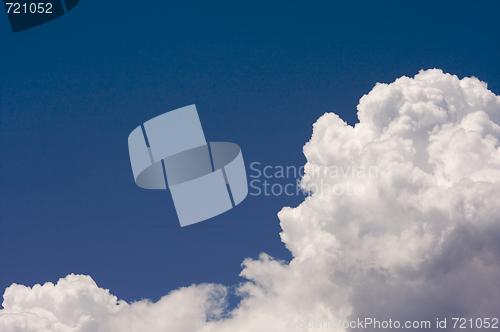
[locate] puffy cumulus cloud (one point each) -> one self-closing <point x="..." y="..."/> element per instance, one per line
<point x="422" y="238"/>
<point x="402" y="224"/>
<point x="77" y="304"/>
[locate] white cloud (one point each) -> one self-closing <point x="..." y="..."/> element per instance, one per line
<point x="77" y="304"/>
<point x="422" y="242"/>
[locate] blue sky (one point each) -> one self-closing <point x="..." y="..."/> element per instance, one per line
<point x="260" y="73"/>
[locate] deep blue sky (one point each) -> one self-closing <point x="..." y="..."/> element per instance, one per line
<point x="260" y="74"/>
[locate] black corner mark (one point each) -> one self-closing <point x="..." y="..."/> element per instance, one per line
<point x="25" y="14"/>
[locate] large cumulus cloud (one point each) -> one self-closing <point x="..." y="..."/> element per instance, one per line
<point x="417" y="239"/>
<point x="424" y="240"/>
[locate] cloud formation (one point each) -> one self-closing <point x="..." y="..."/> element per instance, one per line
<point x="77" y="304"/>
<point x="418" y="240"/>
